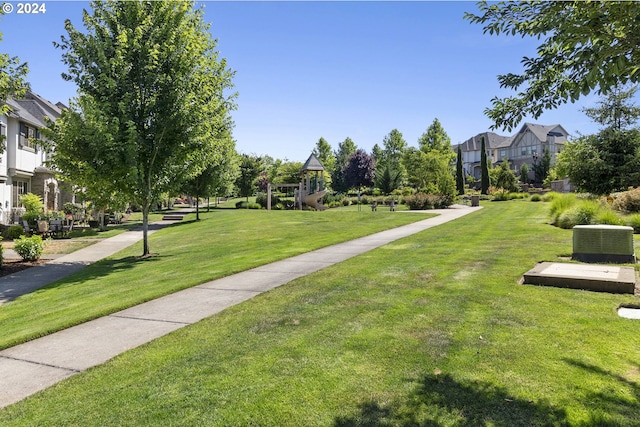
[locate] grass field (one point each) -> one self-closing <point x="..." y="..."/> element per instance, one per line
<point x="431" y="330"/>
<point x="189" y="253"/>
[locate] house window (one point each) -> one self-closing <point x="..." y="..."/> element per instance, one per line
<point x="28" y="136"/>
<point x="20" y="188"/>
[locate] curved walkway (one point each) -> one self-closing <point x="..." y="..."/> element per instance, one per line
<point x="33" y="366"/>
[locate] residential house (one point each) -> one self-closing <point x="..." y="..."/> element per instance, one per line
<point x="525" y="147"/>
<point x="23" y="163"/>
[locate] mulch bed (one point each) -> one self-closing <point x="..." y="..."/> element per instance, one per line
<point x="12" y="266"/>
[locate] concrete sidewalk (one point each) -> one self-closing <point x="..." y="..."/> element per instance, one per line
<point x="38" y="364"/>
<point x="26" y="281"/>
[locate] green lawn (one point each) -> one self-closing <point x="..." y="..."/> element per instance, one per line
<point x="189" y="253"/>
<point x="431" y="330"/>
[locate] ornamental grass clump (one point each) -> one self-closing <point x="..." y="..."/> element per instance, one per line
<point x="560" y="203"/>
<point x="608" y="217"/>
<point x="634" y="222"/>
<point x="29" y="248"/>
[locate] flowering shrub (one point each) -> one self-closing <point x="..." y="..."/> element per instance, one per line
<point x="29" y="248"/>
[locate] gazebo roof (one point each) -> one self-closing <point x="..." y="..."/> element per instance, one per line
<point x="312" y="164"/>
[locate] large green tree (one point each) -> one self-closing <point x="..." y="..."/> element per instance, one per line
<point x="610" y="159"/>
<point x="586" y="45"/>
<point x="436" y="138"/>
<point x="250" y="168"/>
<point x="345" y="149"/>
<point x="325" y="155"/>
<point x="430" y="172"/>
<point x="216" y="178"/>
<point x="505" y="178"/>
<point x="390" y="172"/>
<point x="153" y="105"/>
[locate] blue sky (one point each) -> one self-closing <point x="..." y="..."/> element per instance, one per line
<point x="306" y="70"/>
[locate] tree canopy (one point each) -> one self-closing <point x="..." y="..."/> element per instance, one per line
<point x="436" y="138"/>
<point x="586" y="45"/>
<point x="345" y="149"/>
<point x="324" y="154"/>
<point x="430" y="172"/>
<point x="250" y="169"/>
<point x="360" y="170"/>
<point x="616" y="110"/>
<point x="390" y="172"/>
<point x="610" y="159"/>
<point x="153" y="107"/>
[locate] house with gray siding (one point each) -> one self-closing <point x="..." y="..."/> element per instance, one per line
<point x="525" y="147"/>
<point x="23" y="162"/>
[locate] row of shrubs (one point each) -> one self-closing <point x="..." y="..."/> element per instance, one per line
<point x="418" y="201"/>
<point x="248" y="205"/>
<point x="569" y="210"/>
<point x="421" y="201"/>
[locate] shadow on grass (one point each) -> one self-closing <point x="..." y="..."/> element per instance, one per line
<point x="613" y="406"/>
<point x="441" y="400"/>
<point x="103" y="268"/>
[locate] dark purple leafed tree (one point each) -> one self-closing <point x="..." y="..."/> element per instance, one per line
<point x="360" y="170"/>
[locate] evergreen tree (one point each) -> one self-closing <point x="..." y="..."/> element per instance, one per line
<point x="484" y="169"/>
<point x="388" y="181"/>
<point x="524" y="173"/>
<point x="541" y="168"/>
<point x="459" y="173"/>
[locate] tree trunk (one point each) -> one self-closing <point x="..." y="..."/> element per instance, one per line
<point x="145" y="228"/>
<point x="197" y="208"/>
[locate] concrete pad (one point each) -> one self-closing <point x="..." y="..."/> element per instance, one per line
<point x="592" y="277"/>
<point x="187" y="306"/>
<point x="629" y="313"/>
<point x="21" y="379"/>
<point x="90" y="344"/>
